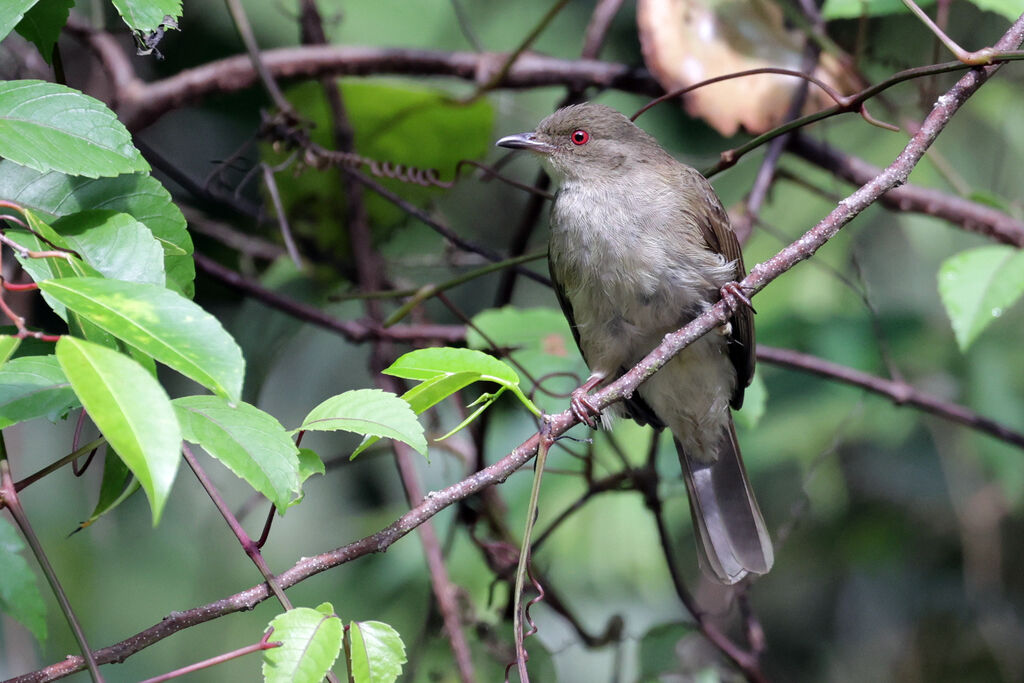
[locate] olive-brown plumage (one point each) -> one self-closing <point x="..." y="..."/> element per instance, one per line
<point x="640" y="245"/>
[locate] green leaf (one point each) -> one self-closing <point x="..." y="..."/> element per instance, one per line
<point x="8" y="345"/>
<point x="140" y="196"/>
<point x="118" y="485"/>
<point x="401" y="124"/>
<point x="378" y="652"/>
<point x="19" y="593"/>
<point x="368" y="412"/>
<point x="311" y="641"/>
<point x="14" y="10"/>
<point x="147" y="15"/>
<point x="755" y="400"/>
<point x="34" y="386"/>
<point x="424" y="364"/>
<point x="1009" y="9"/>
<point x="851" y="9"/>
<point x="43" y="23"/>
<point x="977" y="286"/>
<point x="37" y="131"/>
<point x="161" y="323"/>
<point x="115" y="244"/>
<point x="309" y="464"/>
<point x="250" y="442"/>
<point x="130" y="409"/>
<point x="434" y="363"/>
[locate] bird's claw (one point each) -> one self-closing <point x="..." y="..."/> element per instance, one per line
<point x="582" y="409"/>
<point x="733" y="295"/>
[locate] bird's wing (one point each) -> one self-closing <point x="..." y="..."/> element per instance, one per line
<point x="719" y="236"/>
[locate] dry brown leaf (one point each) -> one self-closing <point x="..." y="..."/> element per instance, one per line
<point x="688" y="41"/>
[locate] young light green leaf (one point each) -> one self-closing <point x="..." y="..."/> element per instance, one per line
<point x="161" y="323"/>
<point x="310" y="640"/>
<point x="426" y="395"/>
<point x="36" y="131"/>
<point x="423" y="364"/>
<point x="130" y="409"/>
<point x="118" y="485"/>
<point x="14" y="10"/>
<point x="977" y="286"/>
<point x="378" y="652"/>
<point x="42" y="25"/>
<point x="309" y="464"/>
<point x="432" y="363"/>
<point x="115" y="244"/>
<point x="8" y="345"/>
<point x="19" y="593"/>
<point x="138" y="195"/>
<point x="250" y="442"/>
<point x="368" y="412"/>
<point x="34" y="386"/>
<point x="147" y="15"/>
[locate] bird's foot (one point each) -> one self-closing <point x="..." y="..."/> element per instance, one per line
<point x="579" y="403"/>
<point x="733" y="295"/>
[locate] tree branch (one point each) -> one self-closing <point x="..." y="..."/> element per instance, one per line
<point x="970" y="216"/>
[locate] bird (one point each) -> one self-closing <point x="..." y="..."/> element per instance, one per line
<point x="640" y="244"/>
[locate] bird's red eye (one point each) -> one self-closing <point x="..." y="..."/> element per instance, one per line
<point x="579" y="137"/>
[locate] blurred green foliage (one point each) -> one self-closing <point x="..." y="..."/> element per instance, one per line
<point x="899" y="536"/>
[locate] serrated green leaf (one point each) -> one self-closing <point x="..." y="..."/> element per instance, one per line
<point x="250" y="442"/>
<point x="167" y="326"/>
<point x="34" y="386"/>
<point x="378" y="652"/>
<point x="311" y="641"/>
<point x="131" y="410"/>
<point x="115" y="244"/>
<point x="977" y="286"/>
<point x="19" y="593"/>
<point x="13" y="12"/>
<point x="138" y="195"/>
<point x="118" y="485"/>
<point x="42" y="25"/>
<point x="147" y="15"/>
<point x="36" y="131"/>
<point x="8" y="345"/>
<point x="424" y="364"/>
<point x="755" y="401"/>
<point x="368" y="412"/>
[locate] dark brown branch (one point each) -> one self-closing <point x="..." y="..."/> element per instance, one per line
<point x="142" y="104"/>
<point x="969" y="215"/>
<point x="900" y="393"/>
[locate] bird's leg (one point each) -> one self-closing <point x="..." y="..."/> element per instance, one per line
<point x="580" y="406"/>
<point x="733" y="295"/>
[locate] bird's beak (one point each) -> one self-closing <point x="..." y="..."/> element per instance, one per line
<point x="525" y="141"/>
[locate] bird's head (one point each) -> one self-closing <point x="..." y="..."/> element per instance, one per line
<point x="582" y="140"/>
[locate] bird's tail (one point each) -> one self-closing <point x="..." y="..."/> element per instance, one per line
<point x="731" y="533"/>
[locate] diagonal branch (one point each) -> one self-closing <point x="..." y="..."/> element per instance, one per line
<point x="762" y="274"/>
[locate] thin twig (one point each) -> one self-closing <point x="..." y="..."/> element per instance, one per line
<point x="9" y="499"/>
<point x="898" y="392"/>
